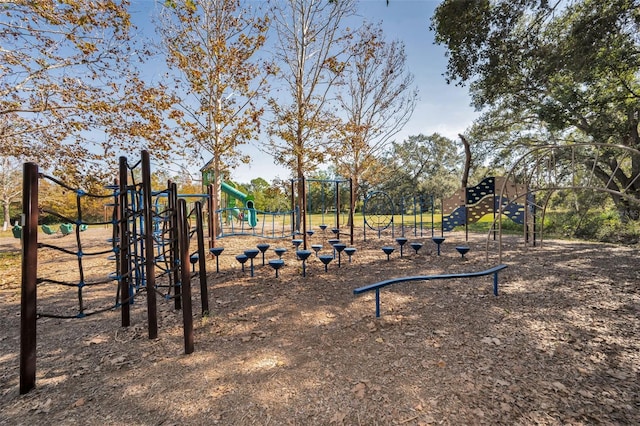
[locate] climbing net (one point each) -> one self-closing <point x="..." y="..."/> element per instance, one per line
<point x="90" y="273"/>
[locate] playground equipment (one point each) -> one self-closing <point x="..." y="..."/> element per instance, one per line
<point x="326" y="259"/>
<point x="131" y="249"/>
<point x="401" y="241"/>
<point x="251" y="254"/>
<point x="463" y="250"/>
<point x="248" y="214"/>
<point x="377" y="286"/>
<point x="339" y="247"/>
<point x="380" y="212"/>
<point x="303" y="255"/>
<point x="438" y="241"/>
<point x="276" y="264"/>
<point x="469" y="205"/>
<point x="263" y="247"/>
<point x="388" y="250"/>
<point x="350" y="251"/>
<point x="301" y="221"/>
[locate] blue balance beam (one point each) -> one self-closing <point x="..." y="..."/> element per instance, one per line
<point x="377" y="286"/>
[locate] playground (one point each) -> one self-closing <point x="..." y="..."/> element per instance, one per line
<point x="558" y="345"/>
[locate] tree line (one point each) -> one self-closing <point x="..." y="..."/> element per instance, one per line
<point x="81" y="85"/>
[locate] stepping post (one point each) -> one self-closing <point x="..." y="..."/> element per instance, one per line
<point x="463" y="250"/>
<point x="303" y="255"/>
<point x="216" y="251"/>
<point x="350" y="251"/>
<point x="326" y="259"/>
<point x="339" y="247"/>
<point x="402" y="241"/>
<point x="438" y="241"/>
<point x="276" y="264"/>
<point x="193" y="259"/>
<point x="251" y="253"/>
<point x="333" y="242"/>
<point x="242" y="258"/>
<point x="416" y="246"/>
<point x="263" y="247"/>
<point x="388" y="250"/>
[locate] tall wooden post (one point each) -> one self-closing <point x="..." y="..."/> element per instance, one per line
<point x="28" y="304"/>
<point x="149" y="255"/>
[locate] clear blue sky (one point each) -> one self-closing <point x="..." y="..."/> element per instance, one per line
<point x="442" y="108"/>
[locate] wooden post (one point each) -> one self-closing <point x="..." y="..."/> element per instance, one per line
<point x="185" y="276"/>
<point x="28" y="303"/>
<point x="149" y="255"/>
<point x="125" y="248"/>
<point x="202" y="264"/>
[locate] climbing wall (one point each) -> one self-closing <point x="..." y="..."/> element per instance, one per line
<point x="469" y="205"/>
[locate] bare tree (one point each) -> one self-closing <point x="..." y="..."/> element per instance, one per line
<point x="378" y="98"/>
<point x="311" y="52"/>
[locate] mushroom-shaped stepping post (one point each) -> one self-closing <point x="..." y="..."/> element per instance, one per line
<point x="276" y="264"/>
<point x="251" y="253"/>
<point x="402" y="241"/>
<point x="336" y="232"/>
<point x="463" y="250"/>
<point x="216" y="251"/>
<point x="388" y="250"/>
<point x="326" y="259"/>
<point x="296" y="243"/>
<point x="310" y="233"/>
<point x="263" y="247"/>
<point x="304" y="255"/>
<point x="242" y="258"/>
<point x="333" y="243"/>
<point x="339" y="247"/>
<point x="322" y="227"/>
<point x="193" y="259"/>
<point x="416" y="246"/>
<point x="350" y="251"/>
<point x="316" y="248"/>
<point x="438" y="241"/>
<point x="280" y="251"/>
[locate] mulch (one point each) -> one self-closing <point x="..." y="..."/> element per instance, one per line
<point x="558" y="346"/>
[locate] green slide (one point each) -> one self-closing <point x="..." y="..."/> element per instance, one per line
<point x="246" y="200"/>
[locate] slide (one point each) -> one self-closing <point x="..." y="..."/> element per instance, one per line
<point x="246" y="200"/>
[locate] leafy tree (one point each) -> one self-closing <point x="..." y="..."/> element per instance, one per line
<point x="311" y="52"/>
<point x="378" y="99"/>
<point x="211" y="48"/>
<point x="69" y="87"/>
<point x="258" y="187"/>
<point x="421" y="165"/>
<point x="559" y="72"/>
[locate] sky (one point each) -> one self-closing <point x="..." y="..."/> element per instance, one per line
<point x="442" y="108"/>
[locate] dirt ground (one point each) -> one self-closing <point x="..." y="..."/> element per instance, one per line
<point x="558" y="346"/>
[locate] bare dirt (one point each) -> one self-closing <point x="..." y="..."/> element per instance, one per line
<point x="558" y="346"/>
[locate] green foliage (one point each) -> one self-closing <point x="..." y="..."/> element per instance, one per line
<point x="604" y="226"/>
<point x="551" y="72"/>
<point x="421" y="165"/>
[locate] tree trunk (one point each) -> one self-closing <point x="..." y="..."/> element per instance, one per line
<point x="467" y="161"/>
<point x="7" y="214"/>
